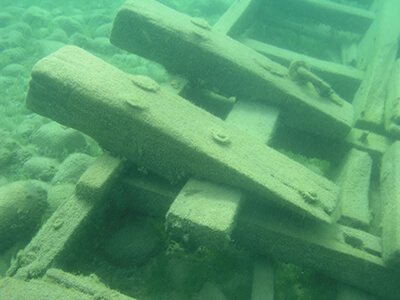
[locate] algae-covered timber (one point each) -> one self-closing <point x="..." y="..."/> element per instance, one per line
<point x="191" y="48"/>
<point x="134" y="117"/>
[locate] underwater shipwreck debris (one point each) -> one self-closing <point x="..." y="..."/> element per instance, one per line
<point x="224" y="64"/>
<point x="300" y="72"/>
<point x="166" y="134"/>
<point x="235" y="181"/>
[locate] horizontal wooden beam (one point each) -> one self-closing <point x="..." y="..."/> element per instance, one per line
<point x="340" y="252"/>
<point x="340" y="16"/>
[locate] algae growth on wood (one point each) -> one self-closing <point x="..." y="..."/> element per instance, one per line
<point x="134" y="117"/>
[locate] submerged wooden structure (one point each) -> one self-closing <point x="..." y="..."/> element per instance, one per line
<point x="236" y="188"/>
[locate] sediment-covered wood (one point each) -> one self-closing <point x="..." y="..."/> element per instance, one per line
<point x="338" y="15"/>
<point x="390" y="194"/>
<point x="191" y="48"/>
<point x="68" y="220"/>
<point x="377" y="51"/>
<point x="340" y="252"/>
<point x="237" y="16"/>
<point x="134" y="117"/>
<point x="392" y="105"/>
<point x="344" y="80"/>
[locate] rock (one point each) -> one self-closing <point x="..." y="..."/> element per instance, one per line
<point x="53" y="139"/>
<point x="5" y="19"/>
<point x="12" y="55"/>
<point x="11" y="39"/>
<point x="42" y="33"/>
<point x="185" y="274"/>
<point x="21" y="27"/>
<point x="40" y="168"/>
<point x="5" y="82"/>
<point x="15" y="11"/>
<point x="157" y="72"/>
<point x="28" y="126"/>
<point x="22" y="204"/>
<point x="47" y="46"/>
<point x="101" y="16"/>
<point x="4" y="265"/>
<point x="59" y="35"/>
<point x="40" y="186"/>
<point x="141" y="70"/>
<point x="23" y="154"/>
<point x="56" y="195"/>
<point x="3" y="181"/>
<point x="68" y="24"/>
<point x="127" y="60"/>
<point x="8" y="149"/>
<point x="36" y="16"/>
<point x="103" y="31"/>
<point x="81" y="40"/>
<point x="14" y="70"/>
<point x="72" y="168"/>
<point x="133" y="244"/>
<point x="209" y="291"/>
<point x="103" y="46"/>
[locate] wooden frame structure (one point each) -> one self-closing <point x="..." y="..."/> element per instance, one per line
<point x="354" y="105"/>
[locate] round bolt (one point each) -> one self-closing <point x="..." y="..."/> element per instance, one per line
<point x="221" y="138"/>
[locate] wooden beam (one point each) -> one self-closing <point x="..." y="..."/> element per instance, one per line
<point x="340" y="16"/>
<point x="343" y="79"/>
<point x="390" y="194"/>
<point x="378" y="50"/>
<point x="135" y="118"/>
<point x="67" y="221"/>
<point x="237" y="16"/>
<point x="340" y="252"/>
<point x="191" y="48"/>
<point x="392" y="105"/>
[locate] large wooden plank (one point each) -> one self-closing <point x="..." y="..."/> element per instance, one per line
<point x="338" y="251"/>
<point x="344" y="80"/>
<point x="346" y="254"/>
<point x="89" y="285"/>
<point x="193" y="49"/>
<point x="390" y="194"/>
<point x="134" y="117"/>
<point x="327" y="12"/>
<point x="369" y="142"/>
<point x="238" y="15"/>
<point x="206" y="212"/>
<point x="15" y="289"/>
<point x="58" y="285"/>
<point x="378" y="51"/>
<point x="354" y="177"/>
<point x="392" y="105"/>
<point x="69" y="218"/>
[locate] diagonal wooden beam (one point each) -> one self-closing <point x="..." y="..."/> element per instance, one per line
<point x="190" y="47"/>
<point x="238" y="15"/>
<point x="69" y="219"/>
<point x="345" y="80"/>
<point x="134" y="117"/>
<point x="378" y="51"/>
